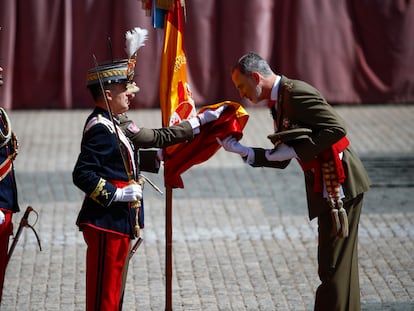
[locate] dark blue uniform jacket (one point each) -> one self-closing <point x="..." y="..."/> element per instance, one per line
<point x="8" y="189"/>
<point x="98" y="164"/>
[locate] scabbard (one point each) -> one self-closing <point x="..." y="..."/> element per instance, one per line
<point x="135" y="247"/>
<point x="23" y="223"/>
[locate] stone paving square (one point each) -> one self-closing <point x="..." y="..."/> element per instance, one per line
<point x="241" y="236"/>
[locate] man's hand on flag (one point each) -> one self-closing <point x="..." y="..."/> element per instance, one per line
<point x="210" y="115"/>
<point x="231" y="144"/>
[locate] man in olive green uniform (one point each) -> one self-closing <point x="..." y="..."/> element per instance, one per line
<point x="334" y="176"/>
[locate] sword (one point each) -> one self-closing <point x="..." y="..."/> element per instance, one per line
<point x="23" y="223"/>
<point x="152" y="184"/>
<point x="139" y="241"/>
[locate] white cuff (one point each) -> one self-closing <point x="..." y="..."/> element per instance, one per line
<point x="249" y="158"/>
<point x="281" y="153"/>
<point x="195" y="124"/>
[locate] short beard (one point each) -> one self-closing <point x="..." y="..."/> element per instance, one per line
<point x="258" y="93"/>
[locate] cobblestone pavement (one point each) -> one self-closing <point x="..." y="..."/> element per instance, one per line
<point x="241" y="237"/>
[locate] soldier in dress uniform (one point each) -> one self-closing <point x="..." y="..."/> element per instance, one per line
<point x="8" y="189"/>
<point x="107" y="170"/>
<point x="308" y="129"/>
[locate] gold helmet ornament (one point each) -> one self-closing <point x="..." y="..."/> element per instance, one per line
<point x="120" y="70"/>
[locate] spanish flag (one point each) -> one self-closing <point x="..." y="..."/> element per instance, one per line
<point x="176" y="100"/>
<point x="204" y="145"/>
<point x="177" y="104"/>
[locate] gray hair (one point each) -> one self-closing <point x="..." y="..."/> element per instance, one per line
<point x="251" y="62"/>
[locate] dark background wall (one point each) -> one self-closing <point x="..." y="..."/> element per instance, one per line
<point x="355" y="51"/>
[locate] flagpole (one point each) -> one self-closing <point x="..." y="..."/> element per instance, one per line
<point x="168" y="248"/>
<point x="171" y="78"/>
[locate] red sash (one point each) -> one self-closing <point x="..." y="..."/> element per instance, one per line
<point x="119" y="183"/>
<point x="331" y="153"/>
<point x="122" y="184"/>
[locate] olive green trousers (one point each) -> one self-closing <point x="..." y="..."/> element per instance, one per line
<point x="338" y="263"/>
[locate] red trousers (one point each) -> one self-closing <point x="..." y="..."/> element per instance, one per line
<point x="6" y="229"/>
<point x="105" y="261"/>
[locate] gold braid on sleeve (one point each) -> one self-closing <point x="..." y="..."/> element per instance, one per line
<point x="99" y="191"/>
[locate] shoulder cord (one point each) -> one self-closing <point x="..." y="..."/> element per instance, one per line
<point x="6" y="135"/>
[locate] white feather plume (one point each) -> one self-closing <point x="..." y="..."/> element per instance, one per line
<point x="134" y="39"/>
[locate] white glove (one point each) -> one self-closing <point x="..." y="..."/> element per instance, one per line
<point x="160" y="155"/>
<point x="130" y="193"/>
<point x="2" y="218"/>
<point x="282" y="152"/>
<point x="230" y="143"/>
<point x="195" y="124"/>
<point x="210" y="115"/>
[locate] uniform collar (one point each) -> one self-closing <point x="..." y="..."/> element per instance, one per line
<point x="275" y="88"/>
<point x="274" y="92"/>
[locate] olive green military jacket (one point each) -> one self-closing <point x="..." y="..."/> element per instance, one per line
<point x="300" y="105"/>
<point x="146" y="138"/>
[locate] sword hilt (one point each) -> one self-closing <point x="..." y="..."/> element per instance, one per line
<point x="136" y="205"/>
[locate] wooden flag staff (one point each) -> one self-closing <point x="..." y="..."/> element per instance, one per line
<point x="168" y="248"/>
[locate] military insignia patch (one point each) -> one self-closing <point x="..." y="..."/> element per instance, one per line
<point x="133" y="128"/>
<point x="288" y="125"/>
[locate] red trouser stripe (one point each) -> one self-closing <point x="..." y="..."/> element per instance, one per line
<point x="6" y="229"/>
<point x="105" y="259"/>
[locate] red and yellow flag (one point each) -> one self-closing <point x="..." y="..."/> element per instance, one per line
<point x="176" y="100"/>
<point x="231" y="122"/>
<point x="177" y="104"/>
